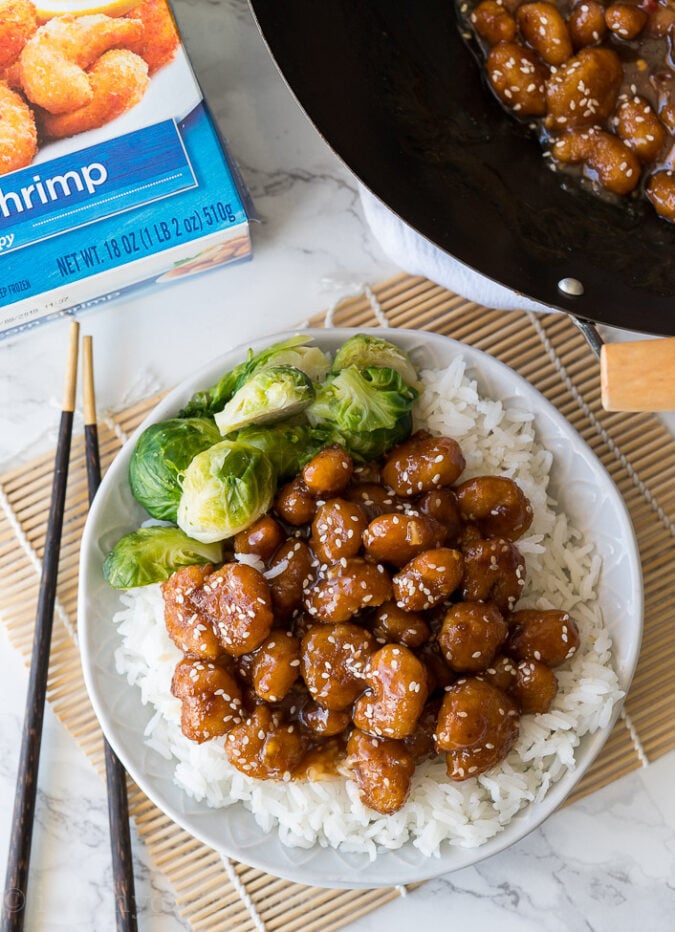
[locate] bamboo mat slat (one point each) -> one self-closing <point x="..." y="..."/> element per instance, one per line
<point x="213" y="895"/>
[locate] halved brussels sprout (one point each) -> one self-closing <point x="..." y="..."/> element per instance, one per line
<point x="361" y="400"/>
<point x="152" y="554"/>
<point x="162" y="454"/>
<point x="267" y="396"/>
<point x="363" y="351"/>
<point x="225" y="489"/>
<point x="368" y="411"/>
<point x="297" y="351"/>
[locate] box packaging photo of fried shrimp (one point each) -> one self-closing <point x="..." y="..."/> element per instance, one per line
<point x="113" y="177"/>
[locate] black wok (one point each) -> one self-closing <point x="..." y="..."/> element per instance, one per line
<point x="398" y="95"/>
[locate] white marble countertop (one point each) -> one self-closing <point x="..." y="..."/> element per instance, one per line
<point x="607" y="862"/>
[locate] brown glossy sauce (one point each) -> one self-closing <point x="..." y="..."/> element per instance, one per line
<point x="648" y="71"/>
<point x="322" y="761"/>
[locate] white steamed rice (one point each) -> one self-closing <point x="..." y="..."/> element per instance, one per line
<point x="562" y="572"/>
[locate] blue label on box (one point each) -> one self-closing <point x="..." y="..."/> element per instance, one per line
<point x="69" y="192"/>
<point x="169" y="194"/>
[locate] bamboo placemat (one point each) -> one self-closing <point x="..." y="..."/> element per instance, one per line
<point x="213" y="894"/>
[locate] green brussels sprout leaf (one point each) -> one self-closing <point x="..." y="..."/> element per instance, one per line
<point x="225" y="489"/>
<point x="268" y="395"/>
<point x="297" y="351"/>
<point x="162" y="454"/>
<point x="367" y="445"/>
<point x="361" y="400"/>
<point x="152" y="554"/>
<point x="368" y="411"/>
<point x="364" y="351"/>
<point x="288" y="446"/>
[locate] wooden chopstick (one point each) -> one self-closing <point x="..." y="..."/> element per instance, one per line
<point x="118" y="805"/>
<point x="18" y="861"/>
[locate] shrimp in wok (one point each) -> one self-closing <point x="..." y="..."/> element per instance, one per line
<point x="118" y="80"/>
<point x="18" y="136"/>
<point x="55" y="60"/>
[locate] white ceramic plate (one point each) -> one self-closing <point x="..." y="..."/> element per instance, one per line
<point x="586" y="494"/>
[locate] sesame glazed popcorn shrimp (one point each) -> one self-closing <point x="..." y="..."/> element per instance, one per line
<point x="594" y="82"/>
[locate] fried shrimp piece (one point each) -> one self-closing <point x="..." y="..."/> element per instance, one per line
<point x="119" y="79"/>
<point x="18" y="22"/>
<point x="160" y="36"/>
<point x="11" y="75"/>
<point x="18" y="136"/>
<point x="54" y="62"/>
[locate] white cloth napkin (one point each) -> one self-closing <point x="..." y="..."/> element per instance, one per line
<point x="416" y="255"/>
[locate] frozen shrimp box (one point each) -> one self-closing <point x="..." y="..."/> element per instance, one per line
<point x="113" y="179"/>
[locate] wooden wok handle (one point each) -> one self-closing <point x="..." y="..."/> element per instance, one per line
<point x="639" y="375"/>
